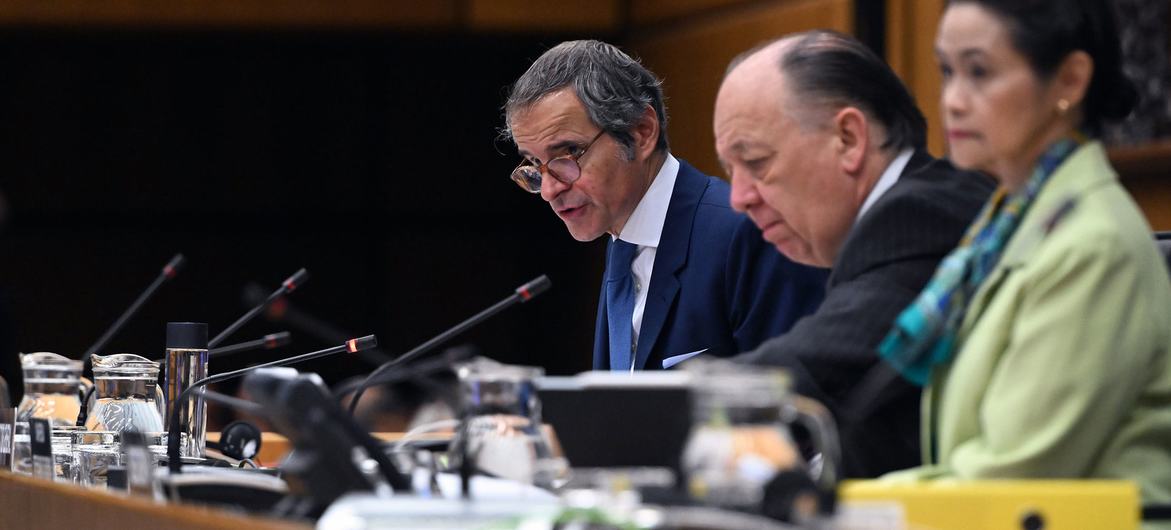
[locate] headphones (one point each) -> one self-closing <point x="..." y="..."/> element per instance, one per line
<point x="239" y="440"/>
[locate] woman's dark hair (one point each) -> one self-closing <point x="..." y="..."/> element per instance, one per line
<point x="1047" y="31"/>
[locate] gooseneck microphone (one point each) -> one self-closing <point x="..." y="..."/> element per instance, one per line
<point x="521" y="295"/>
<point x="170" y="270"/>
<point x="289" y="285"/>
<point x="284" y="312"/>
<point x="271" y="341"/>
<point x="173" y="461"/>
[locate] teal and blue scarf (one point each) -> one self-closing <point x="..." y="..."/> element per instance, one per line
<point x="924" y="335"/>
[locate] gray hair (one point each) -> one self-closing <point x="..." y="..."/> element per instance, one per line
<point x="614" y="88"/>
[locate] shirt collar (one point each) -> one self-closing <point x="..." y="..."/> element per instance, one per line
<point x="888" y="179"/>
<point x="645" y="224"/>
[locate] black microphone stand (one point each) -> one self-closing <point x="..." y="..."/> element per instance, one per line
<point x="285" y="312"/>
<point x="268" y="342"/>
<point x="271" y="341"/>
<point x="289" y="285"/>
<point x="522" y="294"/>
<point x="170" y="270"/>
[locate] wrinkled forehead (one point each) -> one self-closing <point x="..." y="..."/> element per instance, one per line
<point x="551" y="120"/>
<point x="749" y="98"/>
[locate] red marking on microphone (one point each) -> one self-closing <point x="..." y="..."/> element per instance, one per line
<point x="289" y="285"/>
<point x="525" y="294"/>
<point x="352" y="345"/>
<point x="169" y="271"/>
<point x="276" y="311"/>
<point x="270" y="343"/>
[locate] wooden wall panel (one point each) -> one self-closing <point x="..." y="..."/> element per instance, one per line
<point x="1153" y="195"/>
<point x="691" y="58"/>
<point x="233" y="13"/>
<point x="910" y="45"/>
<point x="545" y="16"/>
<point x="1146" y="173"/>
<point x="651" y="11"/>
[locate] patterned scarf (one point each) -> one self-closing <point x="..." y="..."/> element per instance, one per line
<point x="924" y="335"/>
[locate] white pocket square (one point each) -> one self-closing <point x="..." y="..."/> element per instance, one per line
<point x="672" y="361"/>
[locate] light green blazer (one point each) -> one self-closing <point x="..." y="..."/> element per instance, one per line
<point x="1064" y="366"/>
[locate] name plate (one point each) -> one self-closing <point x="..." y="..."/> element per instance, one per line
<point x="7" y="438"/>
<point x="41" y="443"/>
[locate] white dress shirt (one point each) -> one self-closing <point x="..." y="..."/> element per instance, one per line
<point x="644" y="228"/>
<point x="888" y="179"/>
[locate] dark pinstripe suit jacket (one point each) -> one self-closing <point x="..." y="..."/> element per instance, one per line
<point x="885" y="261"/>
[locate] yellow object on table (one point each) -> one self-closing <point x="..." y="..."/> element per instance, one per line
<point x="992" y="504"/>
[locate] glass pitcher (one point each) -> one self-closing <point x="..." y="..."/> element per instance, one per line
<point x="52" y="388"/>
<point x="740" y="436"/>
<point x="501" y="431"/>
<point x="128" y="395"/>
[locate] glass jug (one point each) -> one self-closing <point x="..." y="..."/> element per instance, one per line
<point x="128" y="395"/>
<point x="740" y="436"/>
<point x="501" y="433"/>
<point x="52" y="388"/>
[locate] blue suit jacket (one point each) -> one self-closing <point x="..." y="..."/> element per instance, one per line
<point x="715" y="285"/>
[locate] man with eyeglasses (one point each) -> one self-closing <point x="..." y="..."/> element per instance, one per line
<point x="685" y="274"/>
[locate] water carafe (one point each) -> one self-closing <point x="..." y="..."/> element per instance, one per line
<point x="128" y="395"/>
<point x="501" y="432"/>
<point x="52" y="388"/>
<point x="740" y="440"/>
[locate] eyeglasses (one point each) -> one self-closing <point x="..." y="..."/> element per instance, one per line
<point x="563" y="168"/>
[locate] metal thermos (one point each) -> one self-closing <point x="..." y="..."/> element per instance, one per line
<point x="186" y="364"/>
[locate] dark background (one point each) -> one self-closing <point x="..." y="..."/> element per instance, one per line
<point x="370" y="158"/>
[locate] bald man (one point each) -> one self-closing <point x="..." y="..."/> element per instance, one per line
<point x="825" y="148"/>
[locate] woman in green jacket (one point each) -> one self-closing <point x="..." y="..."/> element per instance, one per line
<point x="1044" y="339"/>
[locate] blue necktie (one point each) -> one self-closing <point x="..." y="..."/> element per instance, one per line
<point x="620" y="303"/>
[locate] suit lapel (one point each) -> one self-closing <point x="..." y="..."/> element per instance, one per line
<point x="601" y="325"/>
<point x="669" y="258"/>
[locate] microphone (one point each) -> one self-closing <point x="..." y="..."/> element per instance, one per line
<point x="170" y="270"/>
<point x="350" y="346"/>
<point x="521" y="295"/>
<point x="289" y="285"/>
<point x="421" y="369"/>
<point x="283" y="311"/>
<point x="271" y="341"/>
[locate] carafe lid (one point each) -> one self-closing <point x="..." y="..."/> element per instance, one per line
<point x="49" y="361"/>
<point x="123" y="364"/>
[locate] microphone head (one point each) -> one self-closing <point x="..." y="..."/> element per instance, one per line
<point x="535" y="287"/>
<point x="361" y="343"/>
<point x="276" y="340"/>
<point x="172" y="268"/>
<point x="296" y="280"/>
